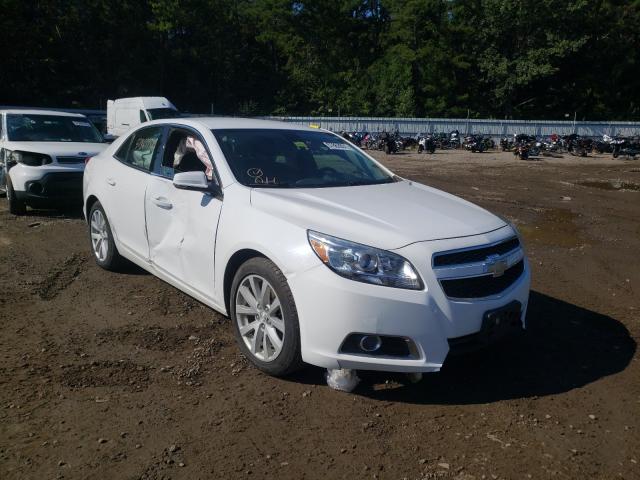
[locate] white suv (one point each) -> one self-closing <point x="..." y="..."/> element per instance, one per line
<point x="42" y="156"/>
<point x="317" y="252"/>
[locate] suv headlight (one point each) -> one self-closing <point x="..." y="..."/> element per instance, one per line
<point x="364" y="264"/>
<point x="27" y="158"/>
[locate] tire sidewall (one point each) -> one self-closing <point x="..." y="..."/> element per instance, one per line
<point x="289" y="358"/>
<point x="109" y="262"/>
<point x="16" y="207"/>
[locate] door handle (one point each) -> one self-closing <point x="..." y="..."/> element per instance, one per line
<point x="111" y="182"/>
<point x="162" y="202"/>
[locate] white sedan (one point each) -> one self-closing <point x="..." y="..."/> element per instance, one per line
<point x="317" y="252"/>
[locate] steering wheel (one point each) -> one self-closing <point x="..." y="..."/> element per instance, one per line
<point x="329" y="171"/>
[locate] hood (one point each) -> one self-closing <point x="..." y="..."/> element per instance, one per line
<point x="58" y="148"/>
<point x="387" y="216"/>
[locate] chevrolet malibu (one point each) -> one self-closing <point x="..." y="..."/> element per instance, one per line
<point x="317" y="252"/>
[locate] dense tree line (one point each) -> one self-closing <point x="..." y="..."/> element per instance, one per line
<point x="483" y="58"/>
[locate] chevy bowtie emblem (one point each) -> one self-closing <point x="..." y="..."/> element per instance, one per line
<point x="495" y="265"/>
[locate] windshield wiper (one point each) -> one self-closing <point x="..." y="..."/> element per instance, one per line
<point x="359" y="183"/>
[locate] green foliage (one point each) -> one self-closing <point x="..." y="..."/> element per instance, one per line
<point x="498" y="58"/>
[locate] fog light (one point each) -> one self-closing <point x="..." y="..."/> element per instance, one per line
<point x="35" y="188"/>
<point x="370" y="343"/>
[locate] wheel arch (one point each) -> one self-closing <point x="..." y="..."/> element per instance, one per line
<point x="234" y="263"/>
<point x="91" y="200"/>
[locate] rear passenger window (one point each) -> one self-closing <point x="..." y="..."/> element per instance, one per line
<point x="142" y="148"/>
<point x="121" y="153"/>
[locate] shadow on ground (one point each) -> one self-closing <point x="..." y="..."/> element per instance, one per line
<point x="565" y="347"/>
<point x="73" y="212"/>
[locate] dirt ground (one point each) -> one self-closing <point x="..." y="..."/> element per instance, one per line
<point x="106" y="375"/>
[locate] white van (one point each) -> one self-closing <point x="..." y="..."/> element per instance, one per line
<point x="125" y="113"/>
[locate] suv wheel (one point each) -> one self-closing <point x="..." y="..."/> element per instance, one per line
<point x="16" y="206"/>
<point x="265" y="319"/>
<point x="102" y="244"/>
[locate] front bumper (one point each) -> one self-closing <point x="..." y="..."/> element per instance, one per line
<point x="331" y="308"/>
<point x="53" y="187"/>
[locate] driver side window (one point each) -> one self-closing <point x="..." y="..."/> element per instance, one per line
<point x="185" y="152"/>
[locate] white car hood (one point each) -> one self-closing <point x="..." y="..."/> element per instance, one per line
<point x="387" y="216"/>
<point x="58" y="148"/>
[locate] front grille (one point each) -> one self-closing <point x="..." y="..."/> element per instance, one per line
<point x="476" y="254"/>
<point x="70" y="159"/>
<point x="59" y="183"/>
<point x="483" y="286"/>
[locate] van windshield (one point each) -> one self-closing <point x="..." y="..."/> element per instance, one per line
<point x="270" y="158"/>
<point x="51" y="128"/>
<point x="158" y="113"/>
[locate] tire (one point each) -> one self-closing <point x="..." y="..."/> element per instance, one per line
<point x="248" y="282"/>
<point x="3" y="188"/>
<point x="16" y="206"/>
<point x="105" y="251"/>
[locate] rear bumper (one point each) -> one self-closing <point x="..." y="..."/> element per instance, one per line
<point x="54" y="187"/>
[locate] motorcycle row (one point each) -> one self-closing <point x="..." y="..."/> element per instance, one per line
<point x="525" y="146"/>
<point x="522" y="145"/>
<point x="425" y="143"/>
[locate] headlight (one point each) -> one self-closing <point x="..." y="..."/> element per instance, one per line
<point x="364" y="264"/>
<point x="28" y="158"/>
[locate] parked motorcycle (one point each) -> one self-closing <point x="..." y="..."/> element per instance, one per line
<point x="454" y="139"/>
<point x="604" y="145"/>
<point x="627" y="147"/>
<point x="388" y="143"/>
<point x="577" y="145"/>
<point x="525" y="146"/>
<point x="506" y="144"/>
<point x="426" y="143"/>
<point x="474" y="143"/>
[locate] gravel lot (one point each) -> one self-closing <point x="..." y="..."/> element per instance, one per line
<point x="106" y="375"/>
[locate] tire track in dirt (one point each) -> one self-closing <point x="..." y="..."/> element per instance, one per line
<point x="61" y="276"/>
<point x="123" y="373"/>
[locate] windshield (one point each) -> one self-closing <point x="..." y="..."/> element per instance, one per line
<point x="51" y="128"/>
<point x="158" y="113"/>
<point x="296" y="159"/>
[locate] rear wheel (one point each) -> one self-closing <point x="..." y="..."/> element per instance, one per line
<point x="104" y="249"/>
<point x="16" y="206"/>
<point x="264" y="317"/>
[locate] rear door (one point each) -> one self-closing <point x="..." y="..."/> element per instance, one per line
<point x="126" y="184"/>
<point x="182" y="224"/>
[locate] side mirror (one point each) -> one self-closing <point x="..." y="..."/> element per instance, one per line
<point x="107" y="138"/>
<point x="195" y="181"/>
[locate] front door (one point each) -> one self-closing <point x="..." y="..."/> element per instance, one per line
<point x="182" y="224"/>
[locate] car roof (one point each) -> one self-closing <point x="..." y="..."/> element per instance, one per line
<point x="217" y="123"/>
<point x="37" y="111"/>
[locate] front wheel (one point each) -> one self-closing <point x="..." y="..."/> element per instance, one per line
<point x="16" y="206"/>
<point x="264" y="317"/>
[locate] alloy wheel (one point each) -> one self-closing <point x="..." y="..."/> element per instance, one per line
<point x="260" y="318"/>
<point x="99" y="235"/>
